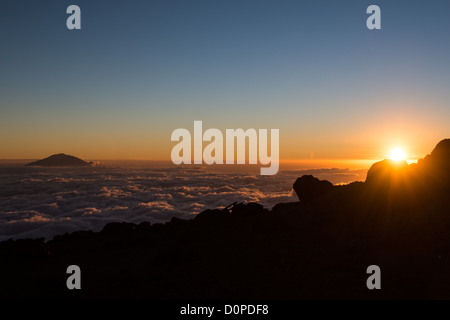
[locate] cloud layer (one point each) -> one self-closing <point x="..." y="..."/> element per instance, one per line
<point x="44" y="202"/>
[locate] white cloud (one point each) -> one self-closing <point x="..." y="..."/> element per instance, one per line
<point x="44" y="202"/>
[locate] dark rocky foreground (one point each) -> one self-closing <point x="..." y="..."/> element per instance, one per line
<point x="320" y="247"/>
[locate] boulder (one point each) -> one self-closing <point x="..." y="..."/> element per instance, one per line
<point x="308" y="187"/>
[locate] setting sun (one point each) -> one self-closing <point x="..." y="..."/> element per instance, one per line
<point x="397" y="154"/>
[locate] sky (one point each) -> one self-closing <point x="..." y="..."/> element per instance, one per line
<point x="137" y="70"/>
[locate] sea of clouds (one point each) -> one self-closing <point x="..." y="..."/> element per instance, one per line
<point x="44" y="202"/>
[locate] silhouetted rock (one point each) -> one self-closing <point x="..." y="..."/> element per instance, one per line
<point x="283" y="207"/>
<point x="387" y="172"/>
<point x="422" y="182"/>
<point x="308" y="187"/>
<point x="436" y="166"/>
<point x="442" y="151"/>
<point x="176" y="222"/>
<point x="118" y="228"/>
<point x="60" y="160"/>
<point x="249" y="209"/>
<point x="212" y="216"/>
<point x="398" y="219"/>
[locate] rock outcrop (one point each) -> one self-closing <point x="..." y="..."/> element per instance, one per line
<point x="308" y="187"/>
<point x="317" y="248"/>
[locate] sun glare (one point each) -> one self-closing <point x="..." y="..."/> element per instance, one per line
<point x="398" y="154"/>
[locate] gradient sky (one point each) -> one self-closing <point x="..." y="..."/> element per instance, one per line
<point x="140" y="69"/>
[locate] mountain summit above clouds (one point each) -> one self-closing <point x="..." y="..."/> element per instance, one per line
<point x="317" y="248"/>
<point x="60" y="160"/>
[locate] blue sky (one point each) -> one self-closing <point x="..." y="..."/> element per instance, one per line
<point x="140" y="69"/>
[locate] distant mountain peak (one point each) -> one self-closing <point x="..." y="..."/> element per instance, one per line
<point x="60" y="160"/>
